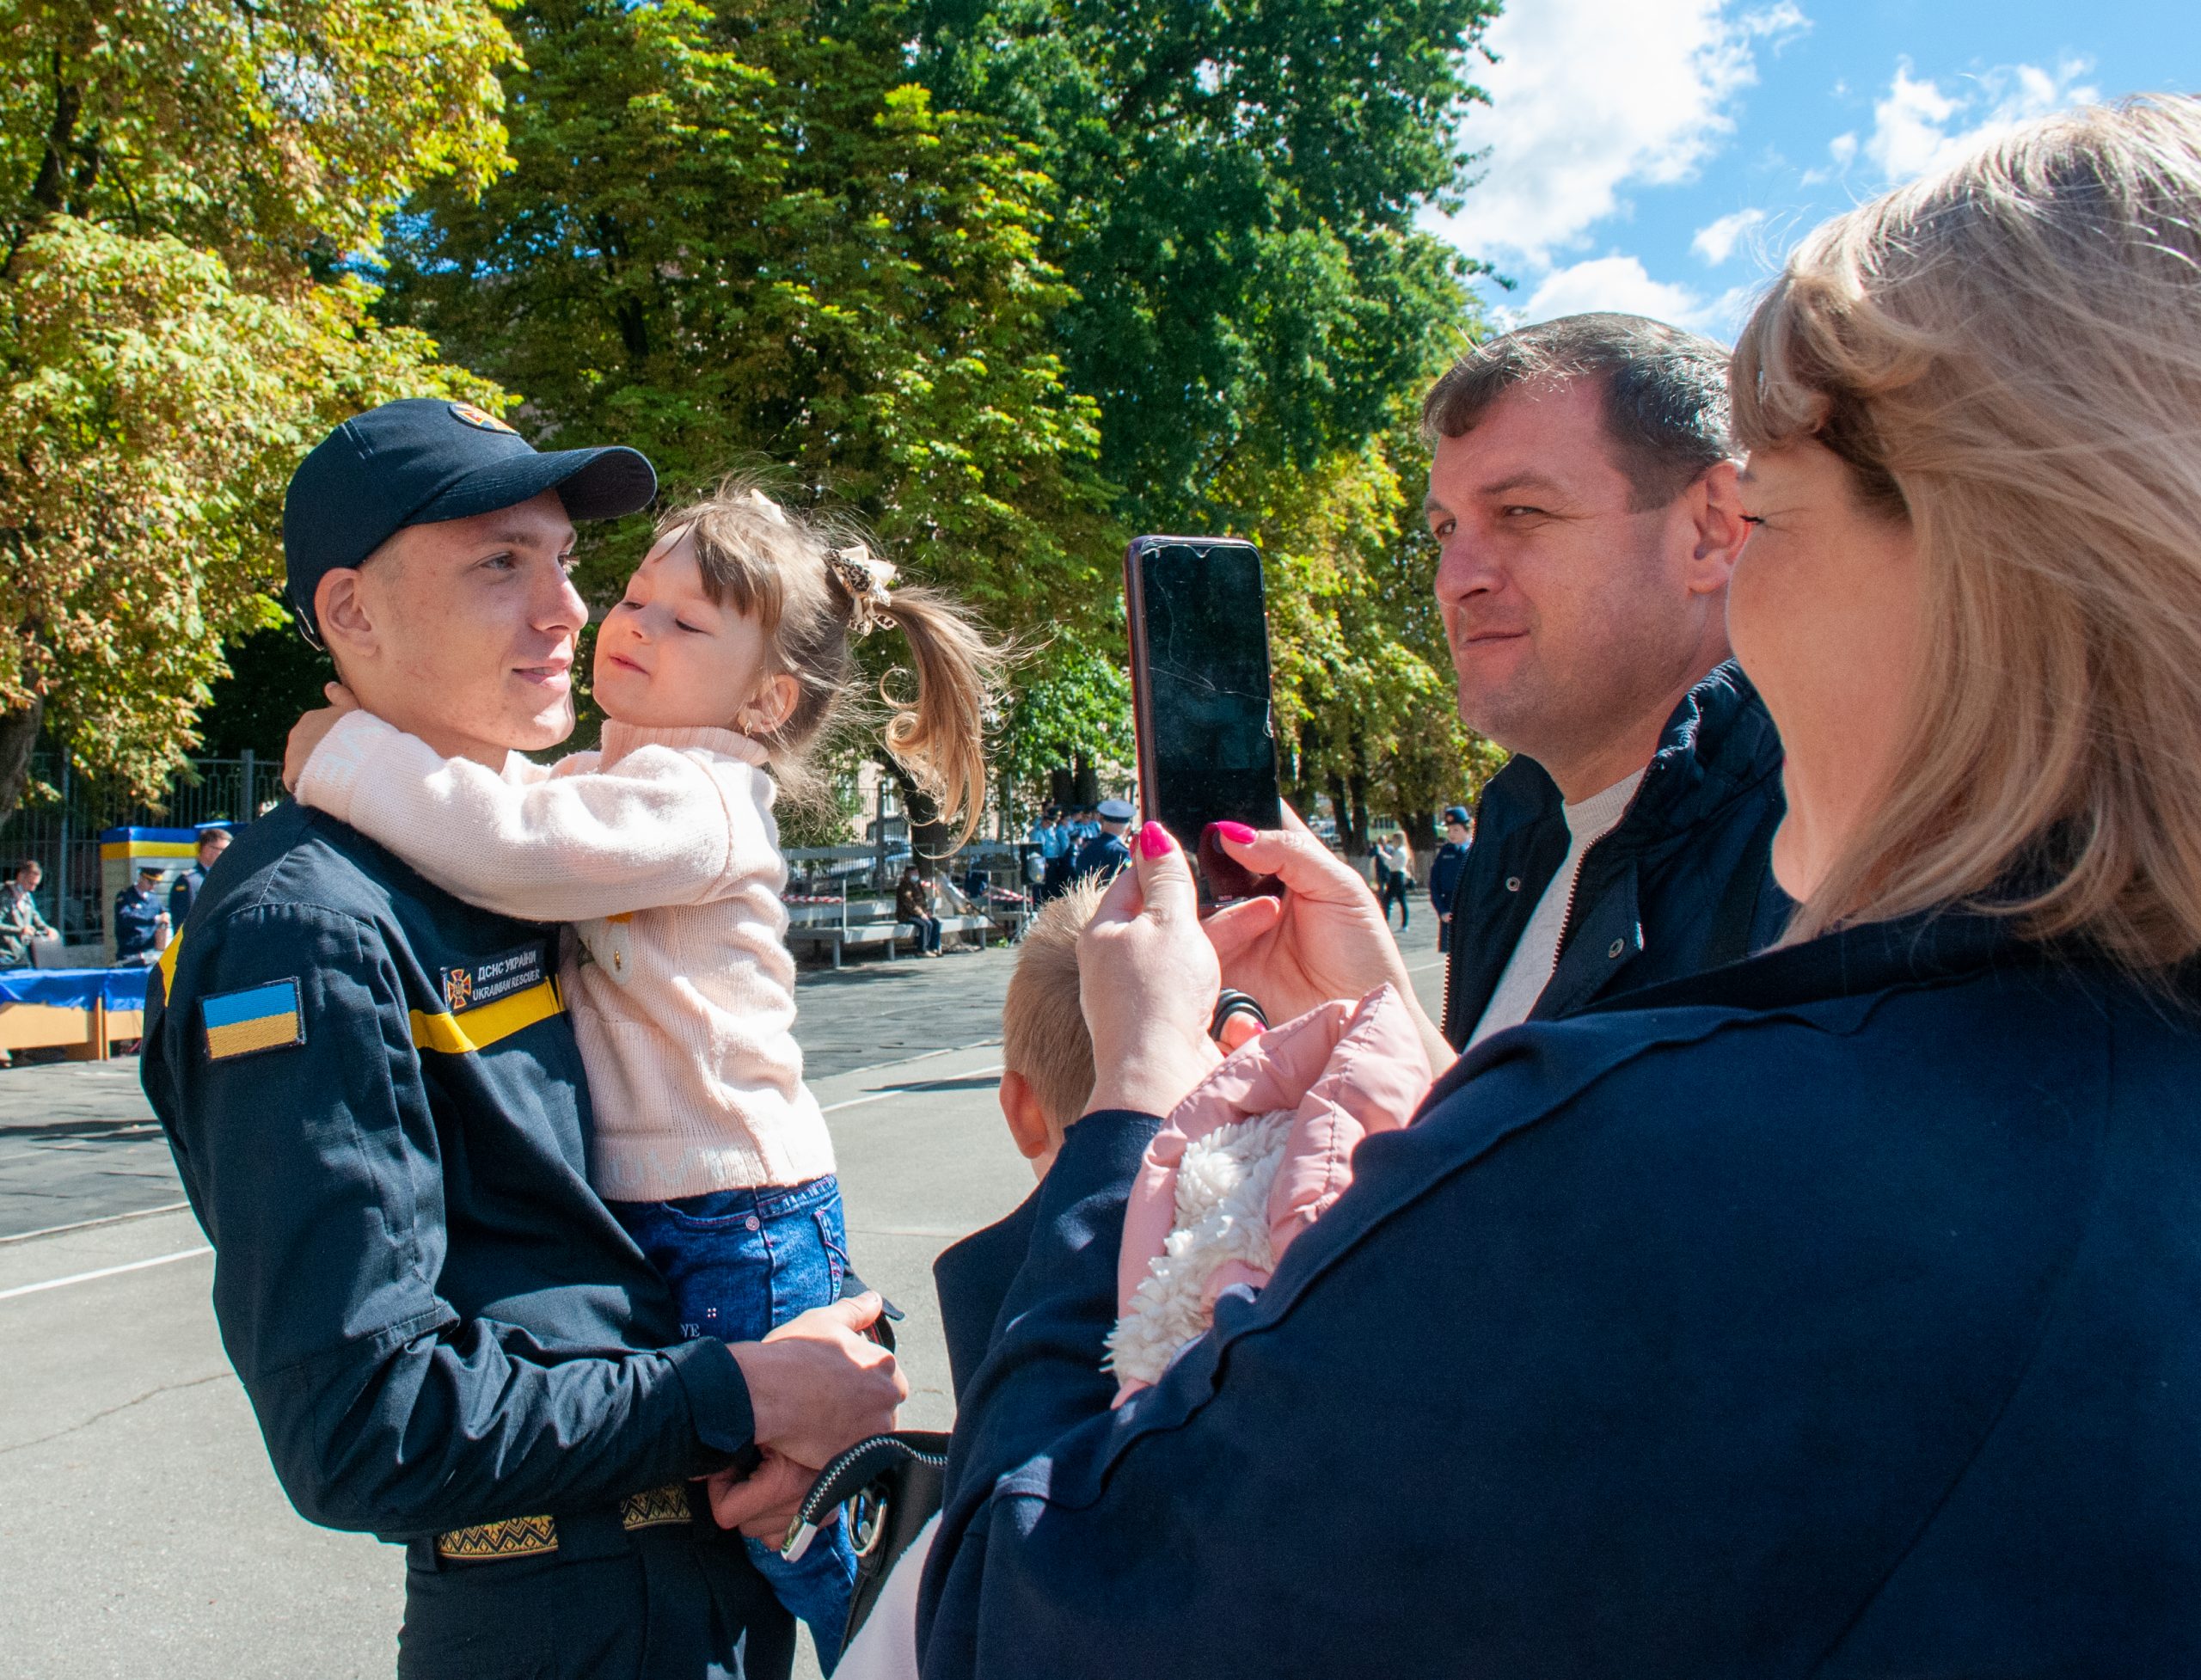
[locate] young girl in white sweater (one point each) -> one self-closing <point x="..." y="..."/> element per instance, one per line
<point x="730" y="651"/>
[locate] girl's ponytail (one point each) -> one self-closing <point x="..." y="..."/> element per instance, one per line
<point x="940" y="738"/>
<point x="815" y="588"/>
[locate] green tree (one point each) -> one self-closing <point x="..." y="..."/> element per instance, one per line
<point x="1237" y="189"/>
<point x="1364" y="685"/>
<point x="178" y="184"/>
<point x="738" y="234"/>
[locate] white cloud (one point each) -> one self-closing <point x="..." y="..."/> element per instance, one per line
<point x="1592" y="96"/>
<point x="1715" y="241"/>
<point x="1620" y="283"/>
<point x="1914" y="128"/>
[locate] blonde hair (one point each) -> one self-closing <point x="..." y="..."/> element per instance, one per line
<point x="2007" y="355"/>
<point x="793" y="573"/>
<point x="1043" y="1034"/>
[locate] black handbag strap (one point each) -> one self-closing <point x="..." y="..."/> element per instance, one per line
<point x="892" y="1485"/>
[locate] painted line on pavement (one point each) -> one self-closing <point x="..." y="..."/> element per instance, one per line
<point x="1424" y="968"/>
<point x="87" y="1225"/>
<point x="906" y="1091"/>
<point x="104" y="1271"/>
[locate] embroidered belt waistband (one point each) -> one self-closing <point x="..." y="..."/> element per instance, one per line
<point x="534" y="1536"/>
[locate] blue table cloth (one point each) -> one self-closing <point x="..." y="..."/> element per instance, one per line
<point x="123" y="988"/>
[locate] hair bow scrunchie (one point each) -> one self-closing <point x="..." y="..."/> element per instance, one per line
<point x="866" y="581"/>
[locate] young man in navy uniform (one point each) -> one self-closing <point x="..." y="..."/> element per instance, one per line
<point x="379" y="1113"/>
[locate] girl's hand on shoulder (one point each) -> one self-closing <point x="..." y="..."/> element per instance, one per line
<point x="310" y="730"/>
<point x="1149" y="981"/>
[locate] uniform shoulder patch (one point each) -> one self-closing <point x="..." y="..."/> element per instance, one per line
<point x="243" y="1023"/>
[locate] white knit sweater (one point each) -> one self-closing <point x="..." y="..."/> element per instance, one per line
<point x="663" y="849"/>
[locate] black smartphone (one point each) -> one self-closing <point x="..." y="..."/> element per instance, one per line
<point x="1199" y="643"/>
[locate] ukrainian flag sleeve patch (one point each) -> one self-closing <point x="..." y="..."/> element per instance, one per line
<point x="243" y="1023"/>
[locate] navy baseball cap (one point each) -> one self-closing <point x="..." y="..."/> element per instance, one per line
<point x="421" y="460"/>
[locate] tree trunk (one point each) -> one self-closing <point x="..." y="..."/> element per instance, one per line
<point x="1085" y="782"/>
<point x="18" y="734"/>
<point x="930" y="839"/>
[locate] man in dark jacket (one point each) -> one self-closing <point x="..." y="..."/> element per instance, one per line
<point x="1583" y="491"/>
<point x="1445" y="871"/>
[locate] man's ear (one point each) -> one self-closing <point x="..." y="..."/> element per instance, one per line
<point x="1028" y="1120"/>
<point x="341" y="612"/>
<point x="1715" y="506"/>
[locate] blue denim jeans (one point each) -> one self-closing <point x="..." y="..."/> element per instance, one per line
<point x="743" y="1262"/>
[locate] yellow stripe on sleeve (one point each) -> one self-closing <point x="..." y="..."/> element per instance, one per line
<point x="166" y="967"/>
<point x="456" y="1035"/>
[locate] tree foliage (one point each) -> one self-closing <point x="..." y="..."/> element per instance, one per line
<point x="738" y="233"/>
<point x="176" y="183"/>
<point x="1254" y="308"/>
<point x="1237" y="186"/>
<point x="1363" y="680"/>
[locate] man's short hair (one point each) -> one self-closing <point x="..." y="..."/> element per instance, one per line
<point x="1666" y="413"/>
<point x="214" y="833"/>
<point x="1043" y="1034"/>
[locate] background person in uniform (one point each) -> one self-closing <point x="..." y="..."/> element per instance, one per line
<point x="1103" y="852"/>
<point x="1052" y="837"/>
<point x="379" y="1113"/>
<point x="21" y="925"/>
<point x="1830" y="1314"/>
<point x="212" y="842"/>
<point x="1583" y="491"/>
<point x="139" y="921"/>
<point x="1445" y="865"/>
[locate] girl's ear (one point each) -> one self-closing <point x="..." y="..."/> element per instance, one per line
<point x="772" y="707"/>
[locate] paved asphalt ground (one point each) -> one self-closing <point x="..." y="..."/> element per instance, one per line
<point x="141" y="1530"/>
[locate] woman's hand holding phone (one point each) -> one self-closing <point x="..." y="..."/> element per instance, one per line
<point x="1324" y="938"/>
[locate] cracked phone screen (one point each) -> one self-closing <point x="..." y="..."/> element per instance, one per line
<point x="1207" y="663"/>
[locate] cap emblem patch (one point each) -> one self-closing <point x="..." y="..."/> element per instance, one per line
<point x="479" y="417"/>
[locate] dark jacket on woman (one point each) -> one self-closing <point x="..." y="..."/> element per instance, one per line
<point x="1684" y="883"/>
<point x="1833" y="1313"/>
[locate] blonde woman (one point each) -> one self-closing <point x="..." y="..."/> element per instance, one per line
<point x="1836" y="1313"/>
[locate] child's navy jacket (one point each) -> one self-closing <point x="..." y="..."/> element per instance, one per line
<point x="1836" y="1313"/>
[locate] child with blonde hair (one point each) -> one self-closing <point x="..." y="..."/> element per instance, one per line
<point x="719" y="669"/>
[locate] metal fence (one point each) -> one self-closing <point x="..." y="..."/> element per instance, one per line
<point x="62" y="830"/>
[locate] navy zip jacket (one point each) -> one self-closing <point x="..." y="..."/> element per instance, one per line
<point x="1683" y="883"/>
<point x="1836" y="1313"/>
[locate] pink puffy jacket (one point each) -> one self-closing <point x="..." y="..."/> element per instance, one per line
<point x="1301" y="1097"/>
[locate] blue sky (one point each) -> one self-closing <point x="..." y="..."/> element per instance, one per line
<point x="1661" y="155"/>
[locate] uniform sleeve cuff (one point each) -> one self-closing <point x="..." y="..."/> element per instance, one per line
<point x="718" y="1397"/>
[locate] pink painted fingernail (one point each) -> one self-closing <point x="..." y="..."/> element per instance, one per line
<point x="1153" y="840"/>
<point x="1236" y="833"/>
